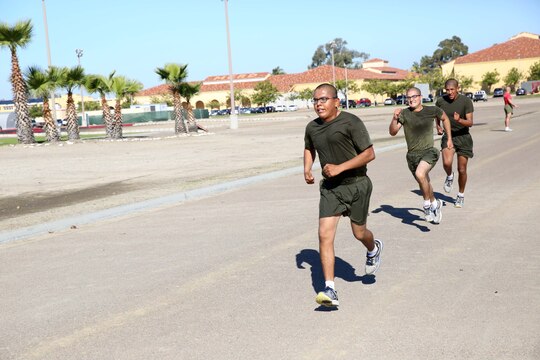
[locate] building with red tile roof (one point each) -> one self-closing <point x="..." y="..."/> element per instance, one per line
<point x="216" y="88"/>
<point x="521" y="51"/>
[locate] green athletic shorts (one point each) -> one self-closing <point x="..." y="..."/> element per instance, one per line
<point x="508" y="109"/>
<point x="463" y="144"/>
<point x="431" y="156"/>
<point x="350" y="198"/>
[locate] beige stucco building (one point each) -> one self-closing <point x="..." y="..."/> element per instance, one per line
<point x="520" y="51"/>
<point x="217" y="88"/>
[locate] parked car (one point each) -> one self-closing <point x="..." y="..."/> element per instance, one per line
<point x="224" y="112"/>
<point x="521" y="91"/>
<point x="480" y="96"/>
<point x="292" y="107"/>
<point x="470" y="95"/>
<point x="498" y="92"/>
<point x="214" y="112"/>
<point x="363" y="102"/>
<point x="281" y="108"/>
<point x="429" y="98"/>
<point x="401" y="100"/>
<point x="258" y="110"/>
<point x="270" y="109"/>
<point x="352" y="104"/>
<point x="389" y="101"/>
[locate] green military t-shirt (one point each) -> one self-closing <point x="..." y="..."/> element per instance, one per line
<point x="418" y="127"/>
<point x="338" y="141"/>
<point x="462" y="105"/>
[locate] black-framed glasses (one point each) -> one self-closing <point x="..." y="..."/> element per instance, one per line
<point x="322" y="100"/>
<point x="412" y="97"/>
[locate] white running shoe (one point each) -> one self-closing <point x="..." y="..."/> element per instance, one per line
<point x="448" y="183"/>
<point x="437" y="213"/>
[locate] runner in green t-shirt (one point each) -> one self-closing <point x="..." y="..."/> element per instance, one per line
<point x="417" y="122"/>
<point x="344" y="149"/>
<point x="459" y="110"/>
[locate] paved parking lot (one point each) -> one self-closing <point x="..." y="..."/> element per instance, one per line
<point x="231" y="272"/>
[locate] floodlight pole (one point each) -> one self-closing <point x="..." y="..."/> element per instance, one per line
<point x="48" y="55"/>
<point x="79" y="53"/>
<point x="233" y="116"/>
<point x="332" y="46"/>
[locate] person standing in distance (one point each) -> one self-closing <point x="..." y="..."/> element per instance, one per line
<point x="344" y="147"/>
<point x="508" y="108"/>
<point x="459" y="110"/>
<point x="417" y="122"/>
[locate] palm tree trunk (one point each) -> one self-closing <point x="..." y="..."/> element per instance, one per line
<point x="51" y="131"/>
<point x="179" y="126"/>
<point x="117" y="132"/>
<point x="72" y="124"/>
<point x="25" y="134"/>
<point x="191" y="118"/>
<point x="107" y="117"/>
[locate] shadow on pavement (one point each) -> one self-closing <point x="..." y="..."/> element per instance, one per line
<point x="405" y="214"/>
<point x="342" y="270"/>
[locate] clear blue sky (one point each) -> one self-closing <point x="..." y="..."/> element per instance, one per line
<point x="134" y="37"/>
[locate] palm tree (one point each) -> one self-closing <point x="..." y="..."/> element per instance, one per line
<point x="70" y="79"/>
<point x="174" y="76"/>
<point x="13" y="37"/>
<point x="188" y="90"/>
<point x="41" y="83"/>
<point x="122" y="87"/>
<point x="102" y="85"/>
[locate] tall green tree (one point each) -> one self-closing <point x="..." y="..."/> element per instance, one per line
<point x="13" y="37"/>
<point x="447" y="50"/>
<point x="122" y="87"/>
<point x="265" y="92"/>
<point x="488" y="79"/>
<point x="342" y="55"/>
<point x="102" y="85"/>
<point x="277" y="71"/>
<point x="71" y="78"/>
<point x="41" y="84"/>
<point x="174" y="76"/>
<point x="534" y="71"/>
<point x="513" y="77"/>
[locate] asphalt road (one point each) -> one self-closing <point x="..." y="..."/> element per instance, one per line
<point x="233" y="275"/>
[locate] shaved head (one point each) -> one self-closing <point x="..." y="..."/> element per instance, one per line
<point x="328" y="87"/>
<point x="451" y="82"/>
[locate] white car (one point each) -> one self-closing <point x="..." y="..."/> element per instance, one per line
<point x="480" y="96"/>
<point x="292" y="108"/>
<point x="281" y="108"/>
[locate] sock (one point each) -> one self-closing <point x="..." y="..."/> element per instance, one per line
<point x="427" y="204"/>
<point x="450" y="177"/>
<point x="434" y="205"/>
<point x="329" y="284"/>
<point x="460" y="194"/>
<point x="373" y="252"/>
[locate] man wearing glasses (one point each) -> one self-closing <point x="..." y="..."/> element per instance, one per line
<point x="417" y="122"/>
<point x="459" y="110"/>
<point x="344" y="149"/>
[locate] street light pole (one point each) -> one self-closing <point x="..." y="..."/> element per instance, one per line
<point x="48" y="55"/>
<point x="233" y="116"/>
<point x="79" y="53"/>
<point x="332" y="46"/>
<point x="346" y="88"/>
